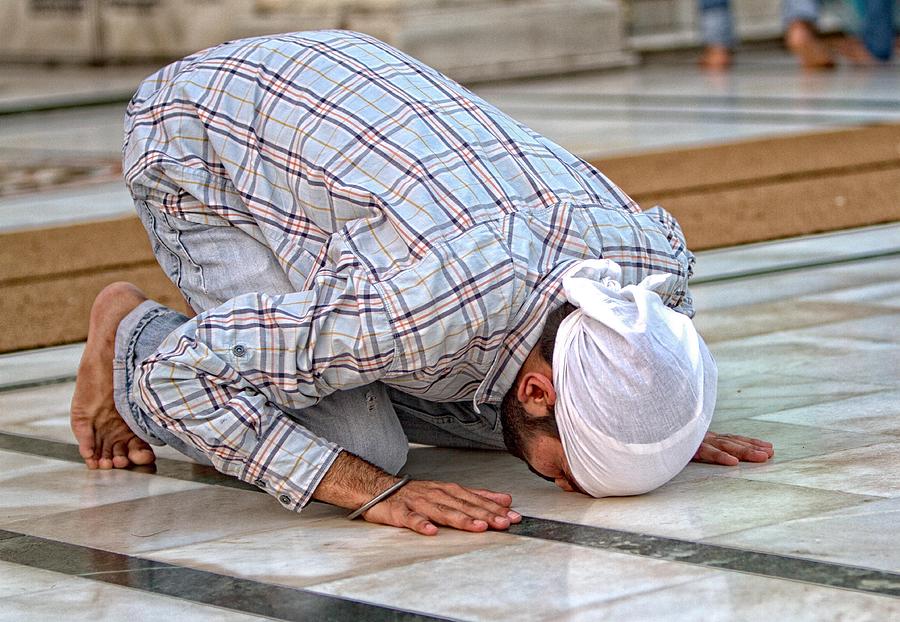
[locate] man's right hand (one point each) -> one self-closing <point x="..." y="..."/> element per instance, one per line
<point x="420" y="505"/>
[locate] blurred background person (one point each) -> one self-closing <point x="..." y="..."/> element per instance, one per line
<point x="800" y="35"/>
<point x="875" y="27"/>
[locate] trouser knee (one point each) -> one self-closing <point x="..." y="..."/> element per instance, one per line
<point x="363" y="422"/>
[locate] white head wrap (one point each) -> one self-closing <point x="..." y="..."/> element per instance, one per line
<point x="635" y="383"/>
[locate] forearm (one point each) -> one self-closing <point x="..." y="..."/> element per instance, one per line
<point x="351" y="482"/>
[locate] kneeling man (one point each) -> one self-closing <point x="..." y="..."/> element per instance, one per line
<point x="377" y="256"/>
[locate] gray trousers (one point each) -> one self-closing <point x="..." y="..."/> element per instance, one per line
<point x="211" y="264"/>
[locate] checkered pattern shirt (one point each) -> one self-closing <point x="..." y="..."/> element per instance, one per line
<point x="424" y="230"/>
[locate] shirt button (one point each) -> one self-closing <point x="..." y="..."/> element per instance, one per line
<point x="260" y="483"/>
<point x="239" y="350"/>
<point x="284" y="499"/>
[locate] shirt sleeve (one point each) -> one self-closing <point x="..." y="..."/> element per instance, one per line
<point x="221" y="380"/>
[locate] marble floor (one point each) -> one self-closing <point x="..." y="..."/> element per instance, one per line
<point x="806" y="335"/>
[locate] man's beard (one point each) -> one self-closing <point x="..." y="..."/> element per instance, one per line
<point x="519" y="428"/>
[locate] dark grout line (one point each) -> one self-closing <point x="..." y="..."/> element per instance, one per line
<point x="712" y="556"/>
<point x="166" y="467"/>
<point x="39" y="382"/>
<point x="64" y="103"/>
<point x="199" y="586"/>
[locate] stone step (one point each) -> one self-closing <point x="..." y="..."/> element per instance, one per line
<point x="723" y="195"/>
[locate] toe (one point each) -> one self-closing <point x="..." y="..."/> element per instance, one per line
<point x="139" y="452"/>
<point x="84" y="435"/>
<point x="120" y="455"/>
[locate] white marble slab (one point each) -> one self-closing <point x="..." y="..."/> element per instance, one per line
<point x="822" y="247"/>
<point x="84" y="600"/>
<point x="16" y="580"/>
<point x="37" y="365"/>
<point x="875" y="413"/>
<point x="551" y="581"/>
<point x="37" y="489"/>
<point x="791" y="442"/>
<point x="870" y="470"/>
<point x="317" y="550"/>
<point x="146" y="522"/>
<point x="729" y="596"/>
<point x="747" y="390"/>
<point x="532" y="580"/>
<point x="853" y="536"/>
<point x="43" y="412"/>
<point x="712" y="505"/>
<point x="780" y="286"/>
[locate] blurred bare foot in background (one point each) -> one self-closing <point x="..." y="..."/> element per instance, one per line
<point x="803" y="42"/>
<point x="716" y="58"/>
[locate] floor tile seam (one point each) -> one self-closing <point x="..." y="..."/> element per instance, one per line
<point x="761" y="478"/>
<point x="37" y="383"/>
<point x="108" y="576"/>
<point x="815" y="515"/>
<point x="746" y="555"/>
<point x="686" y="483"/>
<point x="513" y="543"/>
<point x="889" y="437"/>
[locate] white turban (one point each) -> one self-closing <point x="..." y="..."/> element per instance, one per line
<point x="635" y="383"/>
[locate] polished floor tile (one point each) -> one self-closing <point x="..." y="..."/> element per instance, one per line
<point x="168" y="520"/>
<point x="530" y="580"/>
<point x="693" y="509"/>
<point x="39" y="365"/>
<point x="81" y="599"/>
<point x="325" y="549"/>
<point x="854" y="536"/>
<point x="43" y="412"/>
<point x="18" y="580"/>
<point x="747" y="388"/>
<point x="870" y="470"/>
<point x="727" y="597"/>
<point x="36" y="489"/>
<point x="876" y="413"/>
<point x="791" y="442"/>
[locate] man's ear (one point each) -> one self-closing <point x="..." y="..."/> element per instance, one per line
<point x="536" y="393"/>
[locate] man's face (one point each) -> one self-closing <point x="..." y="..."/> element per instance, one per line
<point x="537" y="443"/>
<point x="546" y="458"/>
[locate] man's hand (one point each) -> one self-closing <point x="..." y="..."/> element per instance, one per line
<point x="729" y="449"/>
<point x="422" y="505"/>
<point x="419" y="505"/>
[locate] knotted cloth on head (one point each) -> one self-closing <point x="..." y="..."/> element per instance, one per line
<point x="635" y="383"/>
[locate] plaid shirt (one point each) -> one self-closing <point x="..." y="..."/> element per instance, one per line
<point x="424" y="230"/>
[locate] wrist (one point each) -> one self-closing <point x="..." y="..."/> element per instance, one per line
<point x="351" y="482"/>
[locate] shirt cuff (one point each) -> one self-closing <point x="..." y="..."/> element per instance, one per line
<point x="289" y="462"/>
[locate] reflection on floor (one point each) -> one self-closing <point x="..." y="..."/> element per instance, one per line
<point x="808" y="359"/>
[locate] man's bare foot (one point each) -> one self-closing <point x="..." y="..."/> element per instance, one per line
<point x="716" y="58"/>
<point x="801" y="39"/>
<point x="104" y="440"/>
